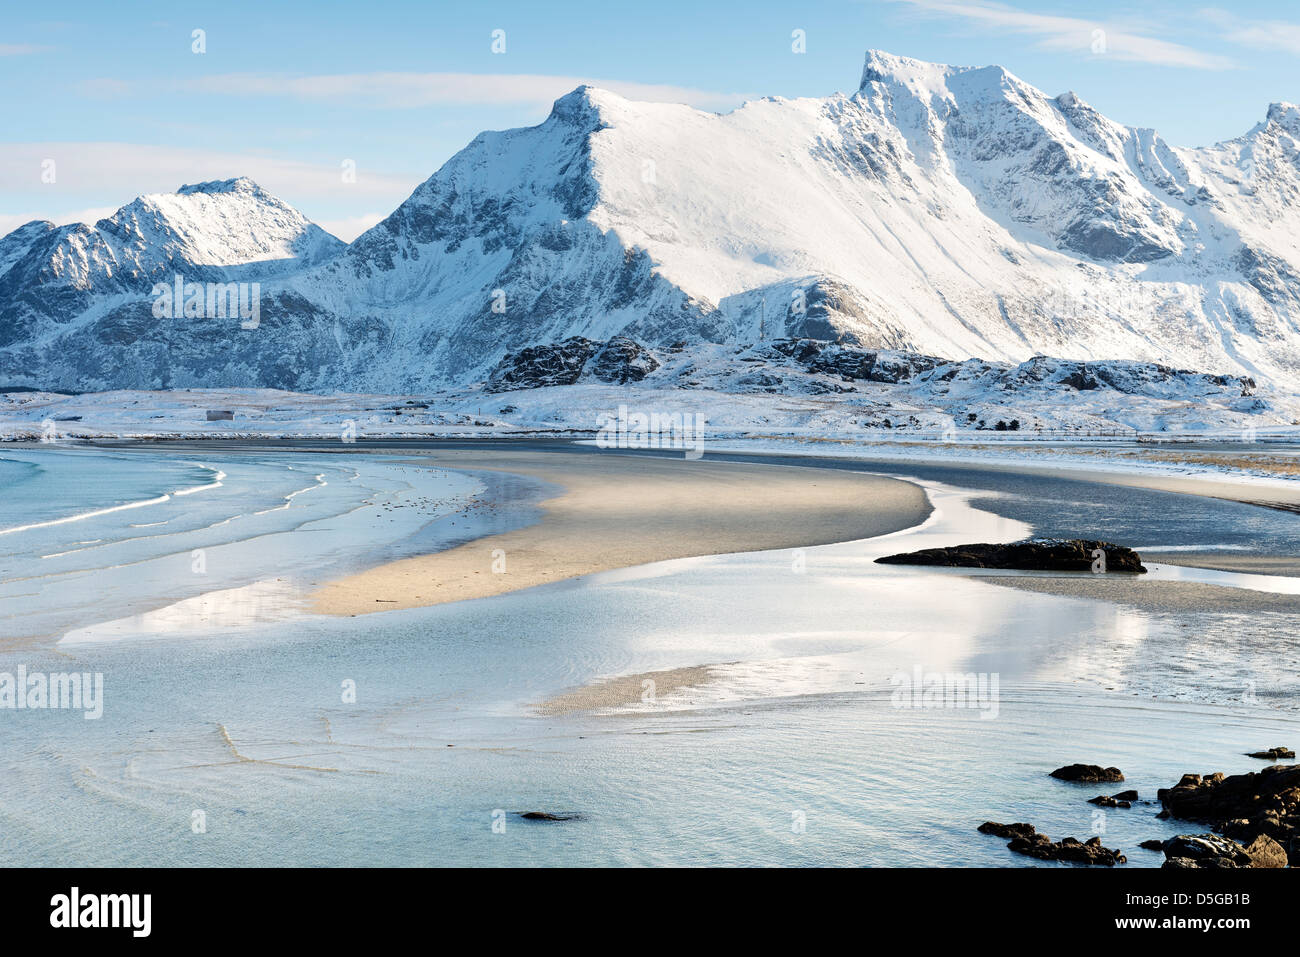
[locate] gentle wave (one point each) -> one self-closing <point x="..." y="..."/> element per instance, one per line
<point x="82" y="516"/>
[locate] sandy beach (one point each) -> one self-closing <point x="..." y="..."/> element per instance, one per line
<point x="618" y="511"/>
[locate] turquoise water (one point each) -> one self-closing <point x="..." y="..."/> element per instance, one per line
<point x="794" y="754"/>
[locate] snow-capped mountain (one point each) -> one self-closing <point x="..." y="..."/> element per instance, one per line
<point x="940" y="210"/>
<point x="76" y="302"/>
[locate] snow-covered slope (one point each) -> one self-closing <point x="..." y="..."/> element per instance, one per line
<point x="943" y="210"/>
<point x="76" y="302"/>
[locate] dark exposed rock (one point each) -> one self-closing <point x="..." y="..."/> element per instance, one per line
<point x="831" y="358"/>
<point x="1242" y="806"/>
<point x="1204" y="851"/>
<point x="557" y="363"/>
<point x="1104" y="801"/>
<point x="1081" y="380"/>
<point x="1007" y="830"/>
<point x="1069" y="850"/>
<point x="1152" y="845"/>
<point x="1075" y="555"/>
<point x="622" y="360"/>
<point x="1263" y="851"/>
<point x="1025" y="840"/>
<point x="1122" y="799"/>
<point x="1088" y="774"/>
<point x="1273" y="754"/>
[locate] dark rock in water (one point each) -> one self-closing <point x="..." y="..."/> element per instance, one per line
<point x="1057" y="555"/>
<point x="1069" y="850"/>
<point x="1103" y="801"/>
<point x="1007" y="830"/>
<point x="1152" y="845"/>
<point x="556" y="363"/>
<point x="1088" y="774"/>
<point x="1242" y="806"/>
<point x="549" y="816"/>
<point x="1273" y="754"/>
<point x="1025" y="840"/>
<point x="1204" y="851"/>
<point x="1122" y="799"/>
<point x="622" y="360"/>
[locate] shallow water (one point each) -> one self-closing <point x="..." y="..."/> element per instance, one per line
<point x="90" y="535"/>
<point x="800" y="751"/>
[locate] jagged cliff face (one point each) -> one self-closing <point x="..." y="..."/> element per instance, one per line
<point x="940" y="210"/>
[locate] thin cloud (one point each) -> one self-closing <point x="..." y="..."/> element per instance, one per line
<point x="130" y="169"/>
<point x="11" y="221"/>
<point x="411" y="90"/>
<point x="20" y="49"/>
<point x="1279" y="35"/>
<point x="1073" y="34"/>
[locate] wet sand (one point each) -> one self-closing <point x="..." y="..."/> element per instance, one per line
<point x="1153" y="596"/>
<point x="618" y="511"/>
<point x="1288" y="565"/>
<point x="626" y="690"/>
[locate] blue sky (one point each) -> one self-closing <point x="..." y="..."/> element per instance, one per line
<point x="115" y="95"/>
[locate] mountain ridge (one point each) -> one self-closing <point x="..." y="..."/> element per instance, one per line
<point x="945" y="210"/>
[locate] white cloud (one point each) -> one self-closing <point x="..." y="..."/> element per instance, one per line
<point x="20" y="49"/>
<point x="408" y="90"/>
<point x="1074" y="34"/>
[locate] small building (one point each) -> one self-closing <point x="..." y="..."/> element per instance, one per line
<point x="220" y="415"/>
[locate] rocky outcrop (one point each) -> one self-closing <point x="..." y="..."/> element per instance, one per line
<point x="1214" y="852"/>
<point x="537" y="367"/>
<point x="1204" y="851"/>
<point x="1057" y="555"/>
<point x="1263" y="851"/>
<point x="855" y="365"/>
<point x="620" y="360"/>
<point x="1088" y="774"/>
<point x="1242" y="806"/>
<point x="1025" y="840"/>
<point x="1273" y="754"/>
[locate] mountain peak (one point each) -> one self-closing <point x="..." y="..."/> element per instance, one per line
<point x="240" y="184"/>
<point x="1286" y="115"/>
<point x="584" y="104"/>
<point x="882" y="67"/>
<point x="939" y="80"/>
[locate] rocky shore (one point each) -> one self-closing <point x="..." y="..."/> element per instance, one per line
<point x="1254" y="820"/>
